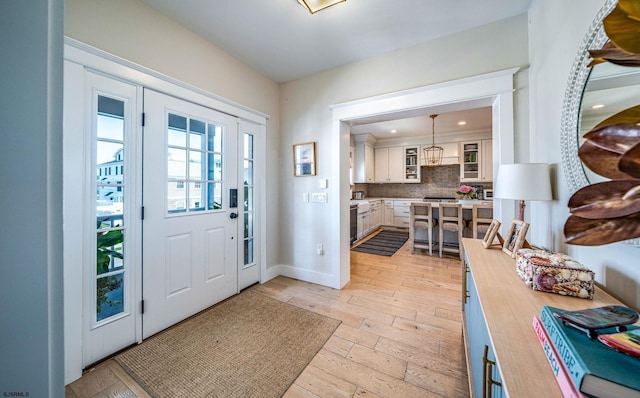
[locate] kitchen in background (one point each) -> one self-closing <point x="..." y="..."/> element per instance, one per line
<point x="439" y="181"/>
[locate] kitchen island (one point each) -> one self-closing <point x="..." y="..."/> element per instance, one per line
<point x="395" y="212"/>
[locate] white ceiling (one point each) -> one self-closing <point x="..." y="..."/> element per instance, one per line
<point x="417" y="123"/>
<point x="280" y="39"/>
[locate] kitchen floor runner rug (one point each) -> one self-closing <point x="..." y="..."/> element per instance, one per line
<point x="247" y="346"/>
<point x="385" y="243"/>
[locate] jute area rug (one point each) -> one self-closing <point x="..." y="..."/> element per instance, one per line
<point x="247" y="346"/>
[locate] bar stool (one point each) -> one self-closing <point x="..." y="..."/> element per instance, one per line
<point x="420" y="217"/>
<point x="482" y="215"/>
<point x="450" y="215"/>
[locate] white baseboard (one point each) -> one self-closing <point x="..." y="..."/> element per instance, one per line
<point x="302" y="274"/>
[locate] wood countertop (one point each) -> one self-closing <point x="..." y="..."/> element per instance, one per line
<point x="508" y="306"/>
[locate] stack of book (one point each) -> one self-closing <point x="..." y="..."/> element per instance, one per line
<point x="584" y="366"/>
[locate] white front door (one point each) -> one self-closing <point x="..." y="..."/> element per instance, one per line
<point x="191" y="205"/>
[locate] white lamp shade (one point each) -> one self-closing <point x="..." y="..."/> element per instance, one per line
<point x="523" y="181"/>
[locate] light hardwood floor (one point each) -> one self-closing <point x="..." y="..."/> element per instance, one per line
<point x="401" y="333"/>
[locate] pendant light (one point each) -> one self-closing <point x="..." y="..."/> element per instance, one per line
<point x="433" y="153"/>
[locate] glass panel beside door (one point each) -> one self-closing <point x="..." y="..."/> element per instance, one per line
<point x="110" y="267"/>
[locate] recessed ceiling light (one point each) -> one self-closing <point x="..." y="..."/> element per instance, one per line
<point x="598" y="106"/>
<point x="461" y="123"/>
<point x="394" y="131"/>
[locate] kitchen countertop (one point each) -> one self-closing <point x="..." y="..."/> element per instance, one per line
<point x="433" y="204"/>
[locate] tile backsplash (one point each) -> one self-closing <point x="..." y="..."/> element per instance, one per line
<point x="434" y="181"/>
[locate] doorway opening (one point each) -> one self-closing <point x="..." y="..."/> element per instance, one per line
<point x="493" y="89"/>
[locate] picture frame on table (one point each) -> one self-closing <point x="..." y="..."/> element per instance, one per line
<point x="516" y="237"/>
<point x="304" y="159"/>
<point x="491" y="233"/>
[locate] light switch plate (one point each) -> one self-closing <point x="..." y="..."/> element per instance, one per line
<point x="319" y="197"/>
<point x="305" y="197"/>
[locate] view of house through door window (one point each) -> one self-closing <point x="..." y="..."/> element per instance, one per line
<point x="194" y="165"/>
<point x="110" y="188"/>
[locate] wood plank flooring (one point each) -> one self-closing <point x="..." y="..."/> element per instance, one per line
<point x="401" y="333"/>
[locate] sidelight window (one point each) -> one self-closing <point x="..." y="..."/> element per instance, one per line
<point x="249" y="199"/>
<point x="110" y="233"/>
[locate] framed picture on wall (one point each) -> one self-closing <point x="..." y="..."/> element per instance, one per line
<point x="515" y="237"/>
<point x="304" y="159"/>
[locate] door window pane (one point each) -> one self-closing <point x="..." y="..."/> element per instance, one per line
<point x="214" y="193"/>
<point x="194" y="165"/>
<point x="248" y="172"/>
<point x="177" y="163"/>
<point x="248" y="146"/>
<point x="214" y="138"/>
<point x="196" y="195"/>
<point x="176" y="196"/>
<point x="216" y="166"/>
<point x="248" y="251"/>
<point x="109" y="296"/>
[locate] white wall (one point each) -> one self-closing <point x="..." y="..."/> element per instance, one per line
<point x="557" y="29"/>
<point x="306" y="117"/>
<point x="136" y="32"/>
<point x="31" y="308"/>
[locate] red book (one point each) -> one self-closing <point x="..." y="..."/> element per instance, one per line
<point x="562" y="377"/>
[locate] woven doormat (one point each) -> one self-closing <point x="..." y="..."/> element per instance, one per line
<point x="248" y="346"/>
<point x="385" y="243"/>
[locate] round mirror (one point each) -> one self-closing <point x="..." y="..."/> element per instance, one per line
<point x="592" y="95"/>
<point x="572" y="131"/>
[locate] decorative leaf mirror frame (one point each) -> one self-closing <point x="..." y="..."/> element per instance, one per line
<point x="570" y="124"/>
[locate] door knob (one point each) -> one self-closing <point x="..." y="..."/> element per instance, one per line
<point x="233" y="216"/>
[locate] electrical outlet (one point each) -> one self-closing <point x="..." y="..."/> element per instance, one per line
<point x="322" y="183"/>
<point x="320" y="249"/>
<point x="319" y="197"/>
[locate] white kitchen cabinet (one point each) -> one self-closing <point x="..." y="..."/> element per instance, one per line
<point x="389" y="164"/>
<point x="388" y="212"/>
<point x="364" y="159"/>
<point x="374" y="215"/>
<point x="476" y="155"/>
<point x="363" y="222"/>
<point x="486" y="168"/>
<point x="449" y="154"/>
<point x="401" y="213"/>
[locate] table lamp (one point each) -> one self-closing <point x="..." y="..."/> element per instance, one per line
<point x="523" y="181"/>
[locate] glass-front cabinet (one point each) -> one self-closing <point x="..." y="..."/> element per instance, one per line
<point x="412" y="164"/>
<point x="470" y="167"/>
<point x="476" y="162"/>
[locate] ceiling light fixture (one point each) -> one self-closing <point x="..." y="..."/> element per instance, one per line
<point x="433" y="154"/>
<point x="461" y="123"/>
<point x="598" y="106"/>
<point x="393" y="131"/>
<point x="314" y="6"/>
